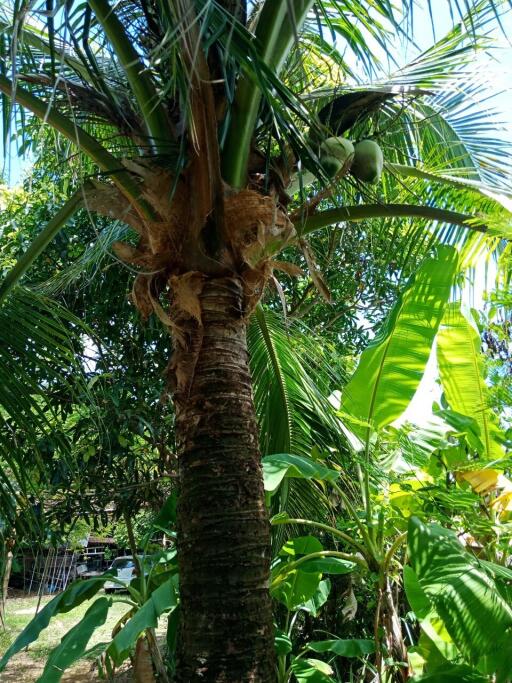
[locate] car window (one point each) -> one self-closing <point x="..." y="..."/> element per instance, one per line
<point x="123" y="563"/>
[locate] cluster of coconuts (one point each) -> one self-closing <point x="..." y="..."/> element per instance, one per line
<point x="364" y="160"/>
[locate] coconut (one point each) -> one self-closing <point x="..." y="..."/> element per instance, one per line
<point x="368" y="161"/>
<point x="331" y="166"/>
<point x="336" y="155"/>
<point x="341" y="148"/>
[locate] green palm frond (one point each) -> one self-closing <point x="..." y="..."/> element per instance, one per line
<point x="291" y="382"/>
<point x="292" y="379"/>
<point x="82" y="272"/>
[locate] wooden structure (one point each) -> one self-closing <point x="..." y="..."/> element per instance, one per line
<point x="50" y="570"/>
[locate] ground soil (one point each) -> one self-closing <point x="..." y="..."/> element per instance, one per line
<point x="24" y="669"/>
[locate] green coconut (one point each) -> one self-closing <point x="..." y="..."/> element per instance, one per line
<point x="368" y="161"/>
<point x="336" y="155"/>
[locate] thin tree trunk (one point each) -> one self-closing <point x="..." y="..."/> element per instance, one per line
<point x="9" y="544"/>
<point x="393" y="634"/>
<point x="223" y="531"/>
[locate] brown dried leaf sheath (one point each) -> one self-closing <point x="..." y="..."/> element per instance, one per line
<point x="186" y="290"/>
<point x="141" y="297"/>
<point x="255" y="226"/>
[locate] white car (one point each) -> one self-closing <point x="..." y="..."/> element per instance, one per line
<point x="124" y="570"/>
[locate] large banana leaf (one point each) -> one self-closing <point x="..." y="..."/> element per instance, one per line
<point x="72" y="597"/>
<point x="461" y="370"/>
<point x="463" y="592"/>
<point x="161" y="600"/>
<point x="73" y="645"/>
<point x="392" y="366"/>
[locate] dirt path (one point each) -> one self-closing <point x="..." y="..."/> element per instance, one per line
<point x="24" y="669"/>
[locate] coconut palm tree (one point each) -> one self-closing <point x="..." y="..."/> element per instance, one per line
<point x="208" y="127"/>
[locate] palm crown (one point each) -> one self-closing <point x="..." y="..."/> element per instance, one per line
<point x="187" y="97"/>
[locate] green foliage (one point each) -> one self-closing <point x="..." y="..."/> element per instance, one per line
<point x="292" y="377"/>
<point x="311" y="671"/>
<point x="391" y="367"/>
<point x="151" y="594"/>
<point x="294" y="588"/>
<point x="452" y="673"/>
<point x="64" y="602"/>
<point x="452" y="585"/>
<point x="344" y="648"/>
<point x="143" y="523"/>
<point x="162" y="599"/>
<point x="267" y="90"/>
<point x="74" y="643"/>
<point x="277" y="467"/>
<point x="461" y="371"/>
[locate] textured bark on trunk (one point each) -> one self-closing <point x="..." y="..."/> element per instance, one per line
<point x="223" y="530"/>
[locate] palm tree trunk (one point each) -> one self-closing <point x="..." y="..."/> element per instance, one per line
<point x="223" y="530"/>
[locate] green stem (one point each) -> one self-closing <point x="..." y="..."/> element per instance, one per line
<point x="361" y="212"/>
<point x="313" y="556"/>
<point x="292" y="624"/>
<point x="125" y="601"/>
<point x="281" y="666"/>
<point x="153" y="113"/>
<point x="41" y="242"/>
<point x="380" y="530"/>
<point x="392" y="550"/>
<point x="136" y="559"/>
<point x="319" y="525"/>
<point x="366" y="477"/>
<point x="352" y="512"/>
<point x="275" y="34"/>
<point x="452" y="181"/>
<point x="81" y="139"/>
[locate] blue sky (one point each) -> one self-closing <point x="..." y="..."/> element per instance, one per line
<point x="498" y="71"/>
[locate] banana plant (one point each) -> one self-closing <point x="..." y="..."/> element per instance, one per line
<point x="190" y="120"/>
<point x="461" y="371"/>
<point x="382" y="386"/>
<point x="462" y="605"/>
<point x="391" y="367"/>
<point x="152" y="593"/>
<point x="300" y="582"/>
<point x="448" y="588"/>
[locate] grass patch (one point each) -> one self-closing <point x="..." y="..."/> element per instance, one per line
<point x="20" y="611"/>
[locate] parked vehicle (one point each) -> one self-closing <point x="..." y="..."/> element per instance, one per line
<point x="124" y="570"/>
